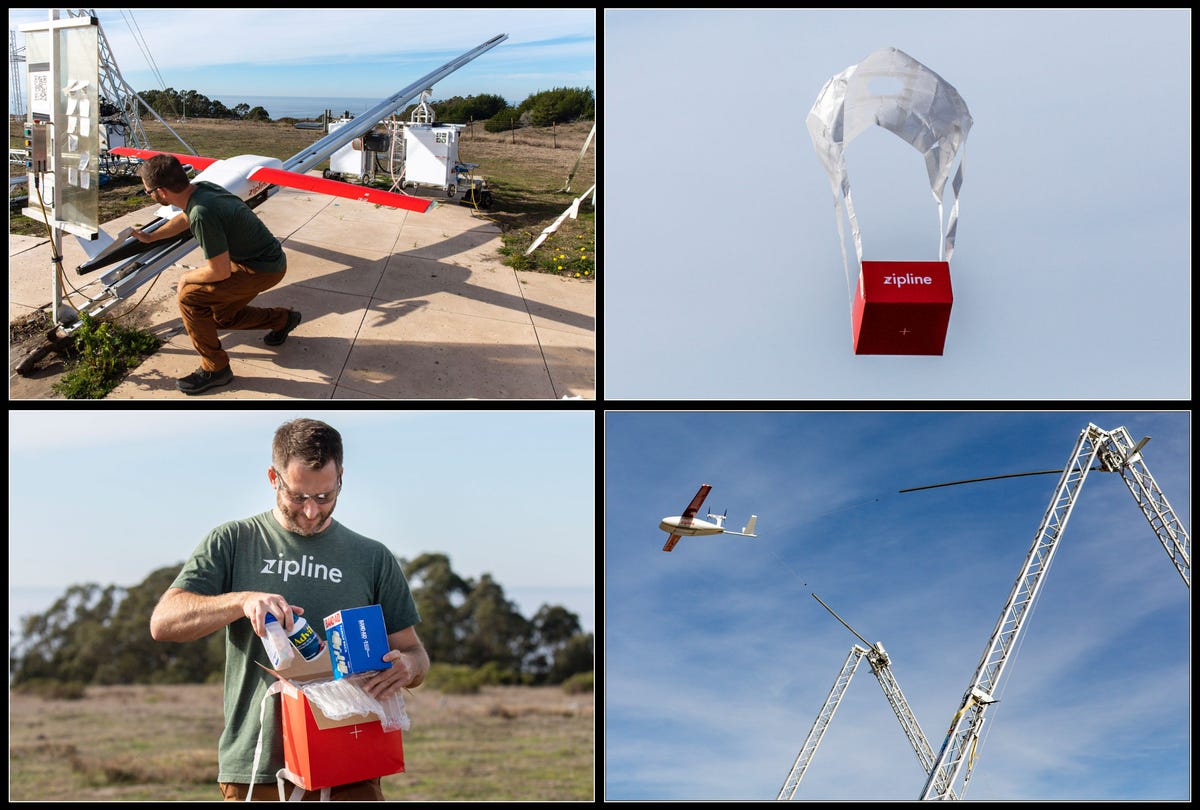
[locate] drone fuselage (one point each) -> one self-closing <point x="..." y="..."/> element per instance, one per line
<point x="689" y="527"/>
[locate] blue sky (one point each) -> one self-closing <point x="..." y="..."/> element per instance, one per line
<point x="718" y="659"/>
<point x="1073" y="254"/>
<point x="109" y="498"/>
<point x="360" y="53"/>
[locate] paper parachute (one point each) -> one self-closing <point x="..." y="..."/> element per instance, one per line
<point x="913" y="102"/>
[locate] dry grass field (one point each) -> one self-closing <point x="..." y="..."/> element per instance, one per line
<point x="526" y="168"/>
<point x="146" y="743"/>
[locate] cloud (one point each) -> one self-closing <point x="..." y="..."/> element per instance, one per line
<point x="354" y="53"/>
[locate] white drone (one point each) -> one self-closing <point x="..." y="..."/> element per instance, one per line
<point x="688" y="524"/>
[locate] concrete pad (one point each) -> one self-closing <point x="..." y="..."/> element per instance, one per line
<point x="289" y="210"/>
<point x="333" y="228"/>
<point x="308" y="361"/>
<point x="562" y="304"/>
<point x="395" y="305"/>
<point x="18" y="244"/>
<point x="424" y="283"/>
<point x="330" y="268"/>
<point x="570" y="362"/>
<point x="435" y="354"/>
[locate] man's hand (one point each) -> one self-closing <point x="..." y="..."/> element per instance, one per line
<point x="387" y="682"/>
<point x="409" y="663"/>
<point x="256" y="606"/>
<point x="177" y="225"/>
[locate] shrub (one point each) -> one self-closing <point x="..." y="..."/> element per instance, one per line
<point x="453" y="679"/>
<point x="106" y="351"/>
<point x="579" y="683"/>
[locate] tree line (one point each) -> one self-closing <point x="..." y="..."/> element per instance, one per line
<point x="96" y="634"/>
<point x="182" y="103"/>
<point x="560" y="105"/>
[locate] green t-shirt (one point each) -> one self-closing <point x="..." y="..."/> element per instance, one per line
<point x="222" y="222"/>
<point x="322" y="574"/>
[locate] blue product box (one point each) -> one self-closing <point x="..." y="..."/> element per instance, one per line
<point x="357" y="640"/>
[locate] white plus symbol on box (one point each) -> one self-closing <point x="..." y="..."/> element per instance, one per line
<point x="356" y="732"/>
<point x="904" y="331"/>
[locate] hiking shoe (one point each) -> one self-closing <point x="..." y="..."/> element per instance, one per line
<point x="278" y="336"/>
<point x="201" y="380"/>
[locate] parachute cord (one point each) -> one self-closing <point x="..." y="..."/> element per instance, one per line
<point x="787" y="566"/>
<point x="952" y="224"/>
<point x="837" y="208"/>
<point x="854" y="505"/>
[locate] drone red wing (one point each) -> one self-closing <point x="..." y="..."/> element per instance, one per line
<point x="198" y="163"/>
<point x="335" y="188"/>
<point x="671" y="541"/>
<point x="694" y="506"/>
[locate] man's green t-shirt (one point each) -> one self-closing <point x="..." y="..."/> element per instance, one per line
<point x="222" y="222"/>
<point x="322" y="574"/>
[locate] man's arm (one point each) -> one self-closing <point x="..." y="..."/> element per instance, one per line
<point x="185" y="616"/>
<point x="218" y="269"/>
<point x="412" y="651"/>
<point x="410" y="663"/>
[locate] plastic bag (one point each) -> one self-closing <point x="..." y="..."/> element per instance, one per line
<point x="342" y="698"/>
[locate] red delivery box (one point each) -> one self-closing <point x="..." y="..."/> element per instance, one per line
<point x="320" y="752"/>
<point x="902" y="307"/>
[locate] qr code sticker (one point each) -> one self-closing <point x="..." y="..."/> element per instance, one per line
<point x="41" y="87"/>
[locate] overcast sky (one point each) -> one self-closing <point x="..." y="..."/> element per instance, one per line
<point x="345" y="52"/>
<point x="109" y="498"/>
<point x="1072" y="270"/>
<point x="718" y="659"/>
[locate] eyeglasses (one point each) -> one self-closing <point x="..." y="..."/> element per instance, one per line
<point x="149" y="192"/>
<point x="320" y="498"/>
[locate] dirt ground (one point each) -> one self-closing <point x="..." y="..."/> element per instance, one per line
<point x="23" y="336"/>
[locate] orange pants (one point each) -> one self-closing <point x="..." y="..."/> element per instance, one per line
<point x="365" y="791"/>
<point x="224" y="305"/>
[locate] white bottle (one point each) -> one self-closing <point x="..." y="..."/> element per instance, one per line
<point x="279" y="649"/>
